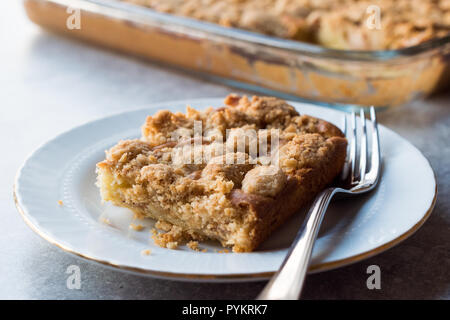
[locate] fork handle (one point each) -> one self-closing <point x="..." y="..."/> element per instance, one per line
<point x="287" y="283"/>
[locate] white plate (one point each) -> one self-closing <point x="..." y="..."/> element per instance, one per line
<point x="354" y="229"/>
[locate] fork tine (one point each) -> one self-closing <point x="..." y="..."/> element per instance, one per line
<point x="345" y="125"/>
<point x="363" y="151"/>
<point x="353" y="148"/>
<point x="375" y="159"/>
<point x="346" y="168"/>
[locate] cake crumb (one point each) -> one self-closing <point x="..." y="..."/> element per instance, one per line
<point x="193" y="245"/>
<point x="136" y="227"/>
<point x="172" y="245"/>
<point x="138" y="216"/>
<point x="60" y="202"/>
<point x="146" y="252"/>
<point x="168" y="239"/>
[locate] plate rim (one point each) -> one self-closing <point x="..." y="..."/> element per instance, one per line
<point x="321" y="267"/>
<point x="192" y="277"/>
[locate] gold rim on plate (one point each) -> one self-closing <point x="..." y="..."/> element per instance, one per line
<point x="245" y="276"/>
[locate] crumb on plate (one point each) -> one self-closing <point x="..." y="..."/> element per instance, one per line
<point x="193" y="245"/>
<point x="172" y="245"/>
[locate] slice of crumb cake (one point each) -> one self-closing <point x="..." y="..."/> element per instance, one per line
<point x="232" y="174"/>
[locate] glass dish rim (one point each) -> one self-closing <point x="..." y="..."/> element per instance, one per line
<point x="136" y="13"/>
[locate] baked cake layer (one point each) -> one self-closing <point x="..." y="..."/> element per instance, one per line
<point x="222" y="184"/>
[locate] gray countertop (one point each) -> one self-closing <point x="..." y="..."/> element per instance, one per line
<point x="49" y="84"/>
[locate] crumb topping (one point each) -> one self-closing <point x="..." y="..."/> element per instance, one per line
<point x="340" y="24"/>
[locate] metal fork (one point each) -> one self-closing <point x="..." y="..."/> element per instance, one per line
<point x="356" y="178"/>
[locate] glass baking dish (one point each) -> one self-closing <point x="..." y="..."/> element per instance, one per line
<point x="258" y="62"/>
